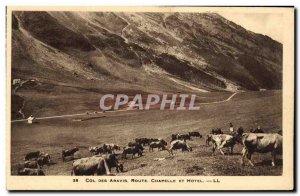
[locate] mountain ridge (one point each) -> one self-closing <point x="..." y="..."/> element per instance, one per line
<point x="145" y="51"/>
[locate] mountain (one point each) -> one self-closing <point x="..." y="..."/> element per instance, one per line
<point x="143" y="51"/>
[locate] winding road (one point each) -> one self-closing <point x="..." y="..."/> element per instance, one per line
<point x="82" y="114"/>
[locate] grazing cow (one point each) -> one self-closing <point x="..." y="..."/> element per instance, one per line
<point x="31" y="172"/>
<point x="112" y="147"/>
<point x="180" y="137"/>
<point x="41" y="157"/>
<point x="221" y="141"/>
<point x="96" y="150"/>
<point x="32" y="155"/>
<point x="143" y="141"/>
<point x="261" y="143"/>
<point x="184" y="137"/>
<point x="44" y="159"/>
<point x="179" y="144"/>
<point x="131" y="150"/>
<point x="135" y="144"/>
<point x="99" y="165"/>
<point x="174" y="137"/>
<point x="195" y="134"/>
<point x="161" y="145"/>
<point x="31" y="164"/>
<point x="112" y="161"/>
<point x="107" y="149"/>
<point x="66" y="153"/>
<point x="216" y="131"/>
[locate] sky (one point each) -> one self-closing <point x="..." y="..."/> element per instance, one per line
<point x="269" y="24"/>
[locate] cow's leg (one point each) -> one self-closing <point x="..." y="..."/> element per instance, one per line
<point x="106" y="167"/>
<point x="249" y="155"/>
<point x="213" y="149"/>
<point x="273" y="158"/>
<point x="222" y="151"/>
<point x="231" y="149"/>
<point x="244" y="152"/>
<point x="207" y="142"/>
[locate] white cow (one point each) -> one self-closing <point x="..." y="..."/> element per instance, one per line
<point x="262" y="143"/>
<point x="221" y="141"/>
<point x="179" y="144"/>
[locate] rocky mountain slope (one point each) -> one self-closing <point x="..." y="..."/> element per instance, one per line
<point x="147" y="52"/>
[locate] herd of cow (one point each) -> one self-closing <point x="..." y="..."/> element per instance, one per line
<point x="105" y="157"/>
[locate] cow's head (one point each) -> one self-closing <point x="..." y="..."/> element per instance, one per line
<point x="112" y="160"/>
<point x="116" y="147"/>
<point x="163" y="142"/>
<point x="208" y="137"/>
<point x="238" y="135"/>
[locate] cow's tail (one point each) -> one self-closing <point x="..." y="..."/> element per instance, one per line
<point x="245" y="143"/>
<point x="244" y="139"/>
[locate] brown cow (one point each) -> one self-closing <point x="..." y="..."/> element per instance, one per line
<point x="195" y="134"/>
<point x="131" y="150"/>
<point x="32" y="155"/>
<point x="32" y="165"/>
<point x="99" y="165"/>
<point x="70" y="152"/>
<point x="161" y="145"/>
<point x="31" y="172"/>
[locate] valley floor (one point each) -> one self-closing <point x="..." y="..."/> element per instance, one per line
<point x="247" y="109"/>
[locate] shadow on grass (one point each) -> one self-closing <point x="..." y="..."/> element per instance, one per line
<point x="278" y="162"/>
<point x="195" y="169"/>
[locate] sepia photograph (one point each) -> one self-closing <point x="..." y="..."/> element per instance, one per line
<point x="147" y="95"/>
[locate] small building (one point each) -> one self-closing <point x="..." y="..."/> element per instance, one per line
<point x="16" y="81"/>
